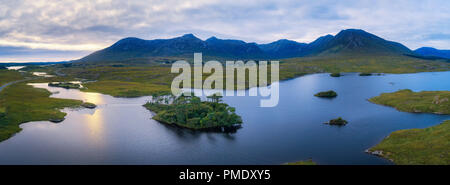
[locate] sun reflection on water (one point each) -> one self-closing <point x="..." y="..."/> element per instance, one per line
<point x="94" y="98"/>
<point x="95" y="127"/>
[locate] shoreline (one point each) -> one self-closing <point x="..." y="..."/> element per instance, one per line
<point x="174" y="124"/>
<point x="282" y="80"/>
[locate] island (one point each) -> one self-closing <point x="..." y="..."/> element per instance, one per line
<point x="192" y="113"/>
<point x="88" y="105"/>
<point x="326" y="94"/>
<point x="365" y="74"/>
<point x="335" y="74"/>
<point x="56" y="120"/>
<point x="338" y="121"/>
<point x="416" y="146"/>
<point x="66" y="85"/>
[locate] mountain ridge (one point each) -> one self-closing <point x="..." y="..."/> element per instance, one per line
<point x="433" y="52"/>
<point x="349" y="41"/>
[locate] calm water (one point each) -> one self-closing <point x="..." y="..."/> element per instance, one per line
<point x="121" y="131"/>
<point x="15" y="67"/>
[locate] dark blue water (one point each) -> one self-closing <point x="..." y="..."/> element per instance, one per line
<point x="121" y="131"/>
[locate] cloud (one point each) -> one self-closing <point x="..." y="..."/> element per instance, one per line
<point x="437" y="36"/>
<point x="24" y="54"/>
<point x="85" y="25"/>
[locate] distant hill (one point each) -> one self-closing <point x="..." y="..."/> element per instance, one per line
<point x="236" y="49"/>
<point x="185" y="45"/>
<point x="354" y="41"/>
<point x="350" y="41"/>
<point x="284" y="49"/>
<point x="433" y="52"/>
<point x="31" y="63"/>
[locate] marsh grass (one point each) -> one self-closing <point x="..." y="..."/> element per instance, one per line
<point x="23" y="103"/>
<point x="139" y="79"/>
<point x="361" y="63"/>
<point x="9" y="76"/>
<point x="417" y="146"/>
<point x="428" y="146"/>
<point x="408" y="101"/>
<point x="306" y="162"/>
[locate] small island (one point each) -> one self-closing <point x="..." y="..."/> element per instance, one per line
<point x="190" y="112"/>
<point x="56" y="120"/>
<point x="335" y="74"/>
<point x="88" y="105"/>
<point x="66" y="85"/>
<point x="326" y="94"/>
<point x="338" y="121"/>
<point x="365" y="74"/>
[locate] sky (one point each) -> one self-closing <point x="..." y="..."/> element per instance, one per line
<point x="51" y="30"/>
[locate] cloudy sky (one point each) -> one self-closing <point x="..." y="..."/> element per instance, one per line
<point x="44" y="30"/>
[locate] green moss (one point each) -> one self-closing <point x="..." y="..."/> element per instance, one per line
<point x="23" y="103"/>
<point x="326" y="94"/>
<point x="427" y="146"/>
<point x="406" y="100"/>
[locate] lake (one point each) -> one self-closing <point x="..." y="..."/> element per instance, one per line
<point x="121" y="131"/>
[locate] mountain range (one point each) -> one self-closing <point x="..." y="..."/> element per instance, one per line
<point x="349" y="41"/>
<point x="433" y="52"/>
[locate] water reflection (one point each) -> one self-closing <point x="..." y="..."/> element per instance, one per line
<point x="94" y="98"/>
<point x="95" y="128"/>
<point x="42" y="74"/>
<point x="121" y="131"/>
<point x="15" y="67"/>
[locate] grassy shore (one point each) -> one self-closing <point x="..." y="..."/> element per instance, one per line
<point x="145" y="77"/>
<point x="22" y="103"/>
<point x="306" y="162"/>
<point x="362" y="64"/>
<point x="416" y="146"/>
<point x="125" y="88"/>
<point x="428" y="146"/>
<point x="437" y="102"/>
<point x="9" y="76"/>
<point x="125" y="80"/>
